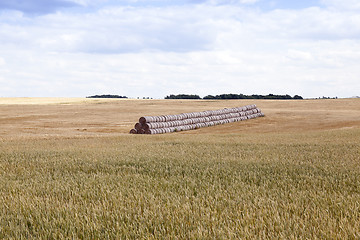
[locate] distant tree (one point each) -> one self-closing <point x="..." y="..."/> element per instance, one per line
<point x="234" y="96"/>
<point x="183" y="96"/>
<point x="106" y="96"/>
<point x="254" y="96"/>
<point x="209" y="97"/>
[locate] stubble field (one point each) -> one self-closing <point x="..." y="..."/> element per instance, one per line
<point x="69" y="169"/>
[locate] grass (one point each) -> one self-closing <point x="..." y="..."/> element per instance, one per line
<point x="282" y="185"/>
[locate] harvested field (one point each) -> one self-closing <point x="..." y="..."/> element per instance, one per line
<point x="95" y="117"/>
<point x="70" y="169"/>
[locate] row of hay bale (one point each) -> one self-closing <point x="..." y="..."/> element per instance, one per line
<point x="194" y="120"/>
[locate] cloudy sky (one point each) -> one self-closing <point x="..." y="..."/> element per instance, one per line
<point x="140" y="48"/>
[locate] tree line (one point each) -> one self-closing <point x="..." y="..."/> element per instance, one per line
<point x="233" y="96"/>
<point x="106" y="96"/>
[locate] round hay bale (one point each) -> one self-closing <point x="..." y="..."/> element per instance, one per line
<point x="145" y="126"/>
<point x="155" y="119"/>
<point x="145" y="119"/>
<point x="138" y="126"/>
<point x="133" y="131"/>
<point x="141" y="131"/>
<point x="153" y="131"/>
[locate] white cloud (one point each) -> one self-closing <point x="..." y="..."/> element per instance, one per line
<point x="201" y="49"/>
<point x="299" y="55"/>
<point x="342" y="4"/>
<point x="232" y="1"/>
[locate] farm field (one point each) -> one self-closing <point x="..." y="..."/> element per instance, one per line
<point x="70" y="169"/>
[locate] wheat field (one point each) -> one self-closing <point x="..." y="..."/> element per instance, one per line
<point x="70" y="170"/>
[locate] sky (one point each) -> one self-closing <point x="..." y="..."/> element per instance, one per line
<point x="154" y="48"/>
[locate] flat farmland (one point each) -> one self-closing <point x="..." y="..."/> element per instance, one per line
<point x="74" y="117"/>
<point x="70" y="169"/>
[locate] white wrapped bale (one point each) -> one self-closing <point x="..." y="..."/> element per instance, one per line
<point x="194" y="120"/>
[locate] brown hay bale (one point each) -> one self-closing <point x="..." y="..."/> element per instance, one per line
<point x="133" y="131"/>
<point x="145" y="126"/>
<point x="146" y="119"/>
<point x="141" y="131"/>
<point x="138" y="126"/>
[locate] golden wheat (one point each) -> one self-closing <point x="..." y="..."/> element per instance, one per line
<point x="250" y="184"/>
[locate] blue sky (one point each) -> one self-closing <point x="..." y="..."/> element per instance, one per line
<point x="138" y="48"/>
